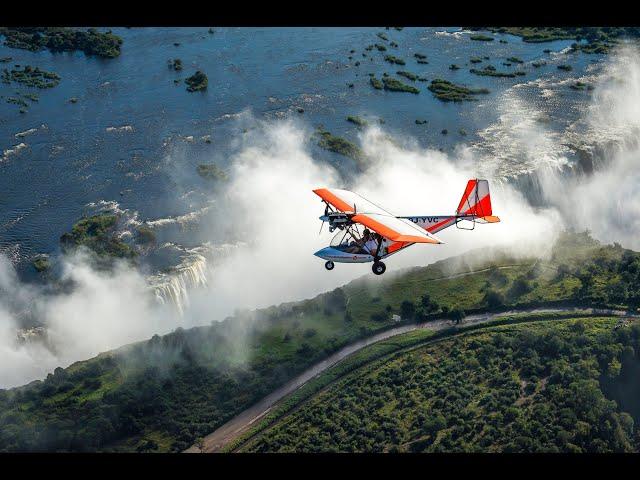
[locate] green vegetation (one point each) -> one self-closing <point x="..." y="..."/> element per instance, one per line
<point x="175" y="64"/>
<point x="580" y="86"/>
<point x="17" y="101"/>
<point x="339" y="145"/>
<point x="475" y="60"/>
<point x="515" y="60"/>
<point x="30" y="96"/>
<point x="380" y="48"/>
<point x="566" y="68"/>
<point x="357" y="120"/>
<point x="453" y="66"/>
<point x="210" y="171"/>
<point x="377" y="84"/>
<point x="450" y="92"/>
<point x="396" y="85"/>
<point x="394" y="59"/>
<point x="481" y="38"/>
<point x="421" y="122"/>
<point x="41" y="263"/>
<point x="532" y="387"/>
<point x="411" y="76"/>
<point x="490" y="71"/>
<point x="382" y="36"/>
<point x="98" y="234"/>
<point x="420" y="56"/>
<point x="197" y="82"/>
<point x="31" y="77"/>
<point x="61" y="39"/>
<point x="538" y="64"/>
<point x="162" y="394"/>
<point x="596" y="39"/>
<point x="145" y="236"/>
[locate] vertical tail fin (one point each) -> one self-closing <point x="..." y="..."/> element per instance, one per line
<point x="476" y="200"/>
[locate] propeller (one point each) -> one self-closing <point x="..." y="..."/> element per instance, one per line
<point x="324" y="217"/>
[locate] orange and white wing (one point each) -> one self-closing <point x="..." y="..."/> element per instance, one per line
<point x="348" y="202"/>
<point x="394" y="228"/>
<point x="374" y="217"/>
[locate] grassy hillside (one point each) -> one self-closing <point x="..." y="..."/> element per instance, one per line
<point x="532" y="387"/>
<point x="161" y="394"/>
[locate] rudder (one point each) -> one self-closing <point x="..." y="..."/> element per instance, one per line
<point x="476" y="199"/>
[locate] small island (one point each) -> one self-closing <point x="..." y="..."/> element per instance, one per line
<point x="394" y="59"/>
<point x="395" y="85"/>
<point x="490" y="71"/>
<point x="31" y="77"/>
<point x="41" y="263"/>
<point x="357" y="120"/>
<point x="481" y="38"/>
<point x="339" y="145"/>
<point x="197" y="82"/>
<point x="450" y="92"/>
<point x="63" y="39"/>
<point x="98" y="234"/>
<point x="411" y="76"/>
<point x="210" y="171"/>
<point x="175" y="64"/>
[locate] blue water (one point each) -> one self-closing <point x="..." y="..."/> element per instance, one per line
<point x="73" y="160"/>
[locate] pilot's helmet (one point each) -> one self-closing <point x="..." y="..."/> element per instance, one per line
<point x="366" y="232"/>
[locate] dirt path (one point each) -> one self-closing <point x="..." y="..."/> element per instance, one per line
<point x="239" y="424"/>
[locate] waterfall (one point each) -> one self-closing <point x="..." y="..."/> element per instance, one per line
<point x="173" y="287"/>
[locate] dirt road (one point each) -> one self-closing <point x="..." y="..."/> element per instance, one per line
<point x="239" y="424"/>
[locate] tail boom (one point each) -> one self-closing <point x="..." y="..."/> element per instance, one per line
<point x="475" y="205"/>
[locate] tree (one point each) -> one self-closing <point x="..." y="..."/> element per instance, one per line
<point x="493" y="298"/>
<point x="407" y="310"/>
<point x="519" y="287"/>
<point x="425" y="301"/>
<point x="200" y="444"/>
<point x="457" y="315"/>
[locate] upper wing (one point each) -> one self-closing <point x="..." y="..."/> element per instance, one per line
<point x="374" y="217"/>
<point x="347" y="201"/>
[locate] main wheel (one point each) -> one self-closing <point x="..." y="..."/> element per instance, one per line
<point x="378" y="268"/>
<point x="329" y="265"/>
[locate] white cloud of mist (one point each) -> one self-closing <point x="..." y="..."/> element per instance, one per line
<point x="607" y="201"/>
<point x="269" y="197"/>
<point x="268" y="204"/>
<point x="103" y="310"/>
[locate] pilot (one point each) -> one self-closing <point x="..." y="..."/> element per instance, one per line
<point x="359" y="245"/>
<point x="371" y="244"/>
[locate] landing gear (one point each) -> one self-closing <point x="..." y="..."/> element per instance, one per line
<point x="378" y="268"/>
<point x="329" y="265"/>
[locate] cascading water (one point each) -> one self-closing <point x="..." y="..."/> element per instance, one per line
<point x="172" y="288"/>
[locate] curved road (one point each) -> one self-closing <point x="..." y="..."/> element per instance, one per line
<point x="239" y="424"/>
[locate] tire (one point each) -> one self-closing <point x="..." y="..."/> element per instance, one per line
<point x="329" y="265"/>
<point x="379" y="268"/>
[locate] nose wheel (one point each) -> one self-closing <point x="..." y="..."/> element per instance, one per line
<point x="378" y="268"/>
<point x="329" y="265"/>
